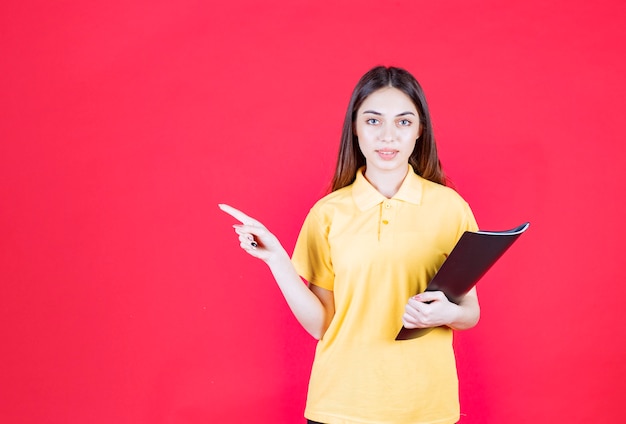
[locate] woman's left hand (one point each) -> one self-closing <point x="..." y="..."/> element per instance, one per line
<point x="430" y="309"/>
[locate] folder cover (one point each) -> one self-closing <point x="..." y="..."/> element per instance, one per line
<point x="470" y="259"/>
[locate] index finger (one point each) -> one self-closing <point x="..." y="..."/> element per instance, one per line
<point x="429" y="296"/>
<point x="238" y="215"/>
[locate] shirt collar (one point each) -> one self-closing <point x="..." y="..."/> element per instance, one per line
<point x="366" y="196"/>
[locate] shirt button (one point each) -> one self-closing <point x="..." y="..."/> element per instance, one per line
<point x="387" y="205"/>
<point x="385" y="222"/>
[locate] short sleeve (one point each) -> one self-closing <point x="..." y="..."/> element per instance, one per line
<point x="311" y="255"/>
<point x="469" y="219"/>
<point x="466" y="220"/>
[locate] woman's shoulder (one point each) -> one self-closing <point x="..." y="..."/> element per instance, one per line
<point x="441" y="192"/>
<point x="444" y="200"/>
<point x="446" y="203"/>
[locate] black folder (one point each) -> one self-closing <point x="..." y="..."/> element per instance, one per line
<point x="470" y="259"/>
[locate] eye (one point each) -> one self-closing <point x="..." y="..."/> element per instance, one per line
<point x="404" y="122"/>
<point x="372" y="121"/>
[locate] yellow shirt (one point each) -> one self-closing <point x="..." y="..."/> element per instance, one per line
<point x="374" y="253"/>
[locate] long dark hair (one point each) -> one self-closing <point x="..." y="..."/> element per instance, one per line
<point x="424" y="159"/>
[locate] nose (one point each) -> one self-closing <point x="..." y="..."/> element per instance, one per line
<point x="387" y="132"/>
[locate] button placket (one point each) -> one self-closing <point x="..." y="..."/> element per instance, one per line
<point x="386" y="214"/>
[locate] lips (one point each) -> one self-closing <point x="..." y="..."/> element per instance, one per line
<point x="387" y="154"/>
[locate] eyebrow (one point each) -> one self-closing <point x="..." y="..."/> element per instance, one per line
<point x="373" y="112"/>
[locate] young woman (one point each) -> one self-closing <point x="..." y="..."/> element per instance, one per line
<point x="366" y="249"/>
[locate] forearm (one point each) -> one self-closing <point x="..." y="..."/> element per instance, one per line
<point x="305" y="305"/>
<point x="259" y="242"/>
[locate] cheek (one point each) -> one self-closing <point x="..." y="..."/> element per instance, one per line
<point x="410" y="141"/>
<point x="362" y="145"/>
<point x="365" y="133"/>
<point x="409" y="136"/>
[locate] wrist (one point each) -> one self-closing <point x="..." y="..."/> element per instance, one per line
<point x="278" y="258"/>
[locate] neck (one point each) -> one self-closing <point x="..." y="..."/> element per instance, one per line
<point x="386" y="182"/>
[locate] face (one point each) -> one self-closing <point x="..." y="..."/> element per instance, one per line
<point x="387" y="126"/>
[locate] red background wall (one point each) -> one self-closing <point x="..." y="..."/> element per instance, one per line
<point x="124" y="296"/>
